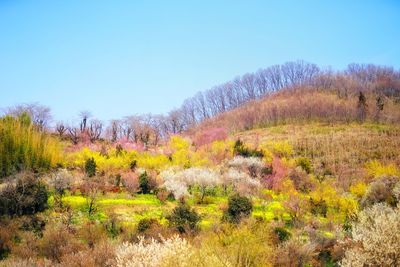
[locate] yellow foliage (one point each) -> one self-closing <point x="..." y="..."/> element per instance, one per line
<point x="221" y="150"/>
<point x="358" y="189"/>
<point x="339" y="207"/>
<point x="268" y="156"/>
<point x="152" y="162"/>
<point x="177" y="143"/>
<point x="377" y="169"/>
<point x="280" y="148"/>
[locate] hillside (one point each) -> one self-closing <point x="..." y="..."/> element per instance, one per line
<point x="301" y="176"/>
<point x="305" y="105"/>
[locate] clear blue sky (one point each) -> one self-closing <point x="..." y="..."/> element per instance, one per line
<point x="117" y="58"/>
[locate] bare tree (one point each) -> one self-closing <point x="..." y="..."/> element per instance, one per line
<point x="60" y="128"/>
<point x="94" y="130"/>
<point x="39" y="114"/>
<point x="84" y="116"/>
<point x="74" y="134"/>
<point x="114" y="130"/>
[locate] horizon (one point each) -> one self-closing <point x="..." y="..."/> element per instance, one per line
<point x="136" y="58"/>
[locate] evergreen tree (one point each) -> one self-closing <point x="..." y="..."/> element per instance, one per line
<point x="90" y="167"/>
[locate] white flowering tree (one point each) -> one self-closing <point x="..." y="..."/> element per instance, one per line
<point x="241" y="181"/>
<point x="178" y="181"/>
<point x="375" y="238"/>
<point x="175" y="251"/>
<point x="252" y="165"/>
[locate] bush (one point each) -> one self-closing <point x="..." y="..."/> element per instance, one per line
<point x="145" y="224"/>
<point x="60" y="181"/>
<point x="318" y="207"/>
<point x="294" y="253"/>
<point x="282" y="234"/>
<point x="144" y="184"/>
<point x="24" y="147"/>
<point x="375" y="238"/>
<point x="28" y="196"/>
<point x="238" y="207"/>
<point x="90" y="167"/>
<point x="301" y="180"/>
<point x="380" y="191"/>
<point x="240" y="149"/>
<point x="131" y="183"/>
<point x="58" y="241"/>
<point x="184" y="219"/>
<point x="169" y="252"/>
<point x="305" y="164"/>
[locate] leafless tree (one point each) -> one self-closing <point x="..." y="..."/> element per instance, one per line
<point x="94" y="130"/>
<point x="60" y="128"/>
<point x="74" y="134"/>
<point x="39" y="114"/>
<point x="84" y="116"/>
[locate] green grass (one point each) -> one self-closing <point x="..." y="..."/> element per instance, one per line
<point x="131" y="209"/>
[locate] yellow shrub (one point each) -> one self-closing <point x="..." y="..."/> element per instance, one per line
<point x="358" y="189"/>
<point x="152" y="162"/>
<point x="280" y="148"/>
<point x="221" y="150"/>
<point x="377" y="169"/>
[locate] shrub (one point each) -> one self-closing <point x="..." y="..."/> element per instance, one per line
<point x="229" y="245"/>
<point x="144" y="184"/>
<point x="90" y="190"/>
<point x="28" y="196"/>
<point x="241" y="182"/>
<point x="281" y="148"/>
<point x="6" y="239"/>
<point x="305" y="164"/>
<point x="131" y="182"/>
<point x="60" y="181"/>
<point x="239" y="207"/>
<point x="294" y="253"/>
<point x="282" y="234"/>
<point x="58" y="241"/>
<point x="377" y="169"/>
<point x="90" y="167"/>
<point x="175" y="251"/>
<point x="301" y="180"/>
<point x="183" y="218"/>
<point x="375" y="238"/>
<point x="241" y="150"/>
<point x="381" y="191"/>
<point x="145" y="224"/>
<point x="318" y="207"/>
<point x="252" y="165"/>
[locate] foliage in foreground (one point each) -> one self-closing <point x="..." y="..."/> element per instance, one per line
<point x="24" y="147"/>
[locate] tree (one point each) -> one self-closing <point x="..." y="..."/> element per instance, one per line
<point x="144" y="183"/>
<point x="60" y="128"/>
<point x="39" y="114"/>
<point x="90" y="167"/>
<point x="362" y="107"/>
<point x="74" y="135"/>
<point x="375" y="238"/>
<point x="61" y="181"/>
<point x="28" y="196"/>
<point x="95" y="129"/>
<point x="183" y="218"/>
<point x="84" y="116"/>
<point x="90" y="190"/>
<point x="379" y="106"/>
<point x="239" y="207"/>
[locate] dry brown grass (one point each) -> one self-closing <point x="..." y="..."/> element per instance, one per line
<point x="342" y="149"/>
<point x="300" y="106"/>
